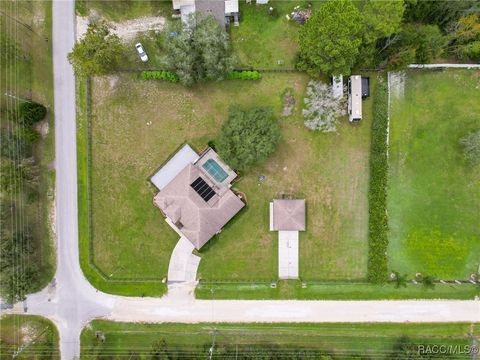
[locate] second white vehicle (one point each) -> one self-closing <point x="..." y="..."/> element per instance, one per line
<point x="141" y="52"/>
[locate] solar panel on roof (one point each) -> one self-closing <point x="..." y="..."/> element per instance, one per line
<point x="203" y="189"/>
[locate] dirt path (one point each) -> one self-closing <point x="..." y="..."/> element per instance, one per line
<point x="126" y="30"/>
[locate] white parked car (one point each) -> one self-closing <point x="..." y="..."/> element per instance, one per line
<point x="141" y="52"/>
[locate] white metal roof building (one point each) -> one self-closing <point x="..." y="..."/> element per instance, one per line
<point x="186" y="155"/>
<point x="355" y="98"/>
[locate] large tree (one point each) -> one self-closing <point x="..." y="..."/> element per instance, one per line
<point x="99" y="51"/>
<point x="381" y="19"/>
<point x="199" y="50"/>
<point x="330" y="40"/>
<point x="248" y="137"/>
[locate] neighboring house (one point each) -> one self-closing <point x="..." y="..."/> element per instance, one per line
<point x="288" y="218"/>
<point x="224" y="11"/>
<point x="195" y="194"/>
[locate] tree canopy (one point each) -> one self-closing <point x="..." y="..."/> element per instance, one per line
<point x="381" y="19"/>
<point x="329" y="41"/>
<point x="199" y="50"/>
<point x="98" y="52"/>
<point x="248" y="137"/>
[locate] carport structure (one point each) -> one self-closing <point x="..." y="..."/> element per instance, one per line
<point x="288" y="218"/>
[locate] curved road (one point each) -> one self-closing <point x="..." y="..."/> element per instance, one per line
<point x="73" y="302"/>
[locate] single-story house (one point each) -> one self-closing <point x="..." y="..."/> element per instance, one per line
<point x="288" y="218"/>
<point x="222" y="10"/>
<point x="195" y="194"/>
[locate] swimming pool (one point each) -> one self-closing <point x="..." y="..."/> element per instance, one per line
<point x="215" y="170"/>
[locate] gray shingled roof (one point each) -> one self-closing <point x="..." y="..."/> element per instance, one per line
<point x="289" y="215"/>
<point x="200" y="220"/>
<point x="212" y="7"/>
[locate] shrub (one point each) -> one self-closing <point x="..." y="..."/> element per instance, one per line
<point x="31" y="112"/>
<point x="377" y="192"/>
<point x="322" y="109"/>
<point x="243" y="75"/>
<point x="471" y="147"/>
<point x="160" y="75"/>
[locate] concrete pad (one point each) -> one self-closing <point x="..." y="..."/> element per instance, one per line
<point x="183" y="264"/>
<point x="288" y="254"/>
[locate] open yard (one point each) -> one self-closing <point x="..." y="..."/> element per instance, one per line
<point x="434" y="194"/>
<point x="372" y="341"/>
<point x="30" y="337"/>
<point x="264" y="41"/>
<point x="136" y="125"/>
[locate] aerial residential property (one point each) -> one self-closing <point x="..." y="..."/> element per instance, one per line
<point x="239" y="179"/>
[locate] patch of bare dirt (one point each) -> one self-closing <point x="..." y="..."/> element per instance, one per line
<point x="42" y="128"/>
<point x="126" y="30"/>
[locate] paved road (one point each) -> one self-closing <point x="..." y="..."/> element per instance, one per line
<point x="73" y="302"/>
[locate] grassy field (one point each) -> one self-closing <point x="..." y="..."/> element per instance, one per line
<point x="292" y="289"/>
<point x="27" y="74"/>
<point x="120" y="10"/>
<point x="434" y="196"/>
<point x="264" y="41"/>
<point x="130" y="236"/>
<point x="37" y="336"/>
<point x="372" y="341"/>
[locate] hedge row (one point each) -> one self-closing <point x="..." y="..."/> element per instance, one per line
<point x="160" y="75"/>
<point x="243" y="75"/>
<point x="377" y="194"/>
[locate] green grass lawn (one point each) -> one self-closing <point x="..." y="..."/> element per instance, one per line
<point x="292" y="289"/>
<point x="26" y="26"/>
<point x="36" y="337"/>
<point x="372" y="341"/>
<point x="120" y="10"/>
<point x="261" y="40"/>
<point x="434" y="196"/>
<point x="130" y="236"/>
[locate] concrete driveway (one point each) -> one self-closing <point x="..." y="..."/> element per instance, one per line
<point x="183" y="264"/>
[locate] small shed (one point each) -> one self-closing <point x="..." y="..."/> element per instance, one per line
<point x="288" y="218"/>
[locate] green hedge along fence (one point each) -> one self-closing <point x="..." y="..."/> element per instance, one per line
<point x="172" y="77"/>
<point x="377" y="193"/>
<point x="243" y="75"/>
<point x="160" y="75"/>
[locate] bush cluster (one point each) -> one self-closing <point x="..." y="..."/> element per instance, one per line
<point x="160" y="75"/>
<point x="31" y="112"/>
<point x="377" y="193"/>
<point x="243" y="75"/>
